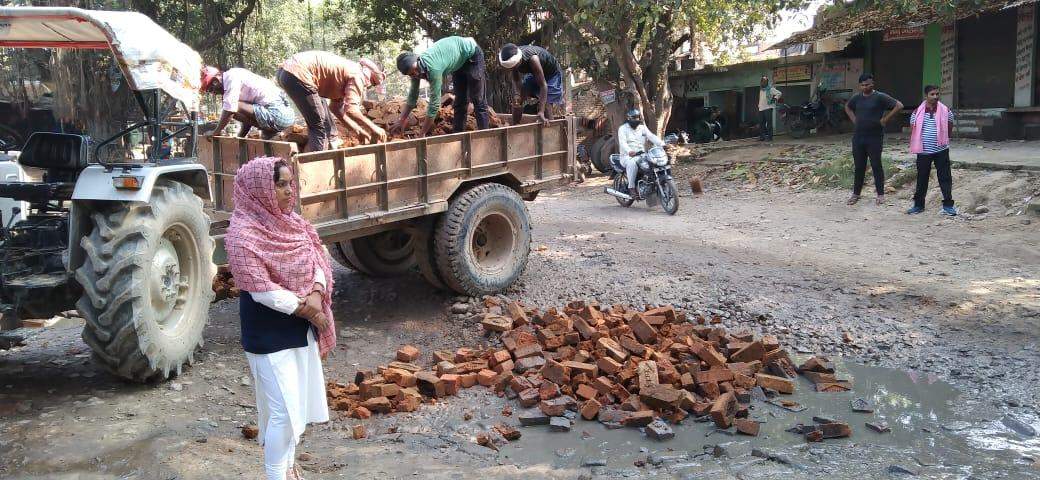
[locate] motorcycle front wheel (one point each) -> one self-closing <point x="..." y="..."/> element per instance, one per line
<point x="669" y="197"/>
<point x="798" y="128"/>
<point x="621" y="185"/>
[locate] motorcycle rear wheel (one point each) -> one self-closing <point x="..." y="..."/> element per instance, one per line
<point x="621" y="185"/>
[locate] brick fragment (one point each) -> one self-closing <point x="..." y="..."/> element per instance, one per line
<point x="585" y="392"/>
<point x="555" y="407"/>
<point x="468" y="380"/>
<point x="817" y="377"/>
<point x="746" y="427"/>
<point x="584" y="329"/>
<point x="554" y="372"/>
<point x="250" y="431"/>
<point x="723" y="410"/>
<point x="613" y="349"/>
<point x="576" y="368"/>
<point x="446" y="367"/>
<point x="508" y="431"/>
<point x="517" y="314"/>
<point x="836" y="387"/>
<point x="518" y="384"/>
<point x="443" y="356"/>
<point x="529" y="363"/>
<point x="378" y="405"/>
<point x="714" y="375"/>
<point x="533" y="417"/>
<point x="658" y="430"/>
<point x="406" y="366"/>
<point x="463" y="355"/>
<point x="660" y="397"/>
<point x="358" y="432"/>
<point x="782" y="367"/>
<point x="643" y="331"/>
<point x="486" y="377"/>
<point x="429" y="384"/>
<point x="817" y="364"/>
<point x="779" y="384"/>
<point x="753" y="351"/>
<point x="533" y="349"/>
<point x="407" y="354"/>
<point x="548" y="391"/>
<point x="667" y="311"/>
<point x="608" y="365"/>
<point x="590" y="409"/>
<point x="708" y="354"/>
<point x="710" y="390"/>
<point x="498" y="357"/>
<point x="506" y="366"/>
<point x="835" y="430"/>
<point x="603" y="385"/>
<point x="632" y="345"/>
<point x="451" y="383"/>
<point x="496" y="323"/>
<point x="641" y="418"/>
<point x="646" y="372"/>
<point x="530" y="397"/>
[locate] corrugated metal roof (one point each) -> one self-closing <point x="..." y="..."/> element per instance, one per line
<point x="884" y="15"/>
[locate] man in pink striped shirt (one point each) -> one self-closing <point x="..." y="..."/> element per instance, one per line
<point x="252" y="100"/>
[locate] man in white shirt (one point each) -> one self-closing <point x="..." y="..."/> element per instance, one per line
<point x="767" y="97"/>
<point x="249" y="98"/>
<point x="632" y="138"/>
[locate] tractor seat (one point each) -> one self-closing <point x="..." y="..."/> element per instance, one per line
<point x="62" y="155"/>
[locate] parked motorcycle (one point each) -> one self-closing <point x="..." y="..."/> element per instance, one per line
<point x="814" y="115"/>
<point x="654" y="183"/>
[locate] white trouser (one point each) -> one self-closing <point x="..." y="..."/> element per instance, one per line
<point x="290" y="393"/>
<point x="631" y="170"/>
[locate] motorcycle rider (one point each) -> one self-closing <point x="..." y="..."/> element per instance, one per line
<point x="632" y="138"/>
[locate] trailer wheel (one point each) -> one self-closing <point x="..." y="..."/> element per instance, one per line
<point x="386" y="254"/>
<point x="147" y="283"/>
<point x="483" y="240"/>
<point x="426" y="257"/>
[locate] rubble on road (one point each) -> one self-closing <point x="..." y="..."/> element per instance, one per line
<point x="619" y="365"/>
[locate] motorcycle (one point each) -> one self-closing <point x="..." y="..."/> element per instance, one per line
<point x="654" y="181"/>
<point x="801" y="120"/>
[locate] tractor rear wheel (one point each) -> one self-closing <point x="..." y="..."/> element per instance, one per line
<point x="147" y="283"/>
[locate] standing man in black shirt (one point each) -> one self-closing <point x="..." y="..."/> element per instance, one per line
<point x="542" y="78"/>
<point x="869" y="110"/>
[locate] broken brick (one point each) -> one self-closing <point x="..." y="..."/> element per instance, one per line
<point x="468" y="380"/>
<point x="250" y="431"/>
<point x="640" y="418"/>
<point x="576" y="368"/>
<point x="817" y="377"/>
<point x="554" y="407"/>
<point x="585" y="392"/>
<point x="632" y="345"/>
<point x="358" y="432"/>
<point x="753" y="351"/>
<point x="642" y="330"/>
<point x="407" y="354"/>
<point x="446" y="367"/>
<point x="517" y="314"/>
<point x="746" y="427"/>
<point x="612" y="348"/>
<point x="486" y="377"/>
<point x="660" y="396"/>
<point x="463" y="355"/>
<point x="529" y="363"/>
<point x="451" y="383"/>
<point x="496" y="323"/>
<point x="429" y="384"/>
<point x="559" y="424"/>
<point x="378" y="405"/>
<point x="646" y="372"/>
<point x="836" y="387"/>
<point x="527" y="350"/>
<point x="658" y="430"/>
<point x="442" y="356"/>
<point x="604" y="385"/>
<point x="817" y="364"/>
<point x="498" y="357"/>
<point x="723" y="410"/>
<point x="548" y="391"/>
<point x="506" y="366"/>
<point x="779" y="384"/>
<point x="554" y="372"/>
<point x="530" y="397"/>
<point x="533" y="417"/>
<point x="608" y="365"/>
<point x="708" y="354"/>
<point x="835" y="430"/>
<point x="509" y="432"/>
<point x="714" y="375"/>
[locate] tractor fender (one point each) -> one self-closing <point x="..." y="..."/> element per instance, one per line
<point x="95" y="186"/>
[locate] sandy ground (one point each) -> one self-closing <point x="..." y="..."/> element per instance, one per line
<point x="952" y="301"/>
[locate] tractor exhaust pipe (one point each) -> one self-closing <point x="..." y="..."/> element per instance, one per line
<point x="623" y="196"/>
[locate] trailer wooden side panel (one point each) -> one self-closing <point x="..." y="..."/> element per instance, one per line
<point x="357" y="191"/>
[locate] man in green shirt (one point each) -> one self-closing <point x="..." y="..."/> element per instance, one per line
<point x="459" y="57"/>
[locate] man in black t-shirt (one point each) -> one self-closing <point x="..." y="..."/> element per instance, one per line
<point x="870" y="111"/>
<point x="535" y="74"/>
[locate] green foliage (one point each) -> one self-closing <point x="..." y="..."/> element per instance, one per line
<point x="837" y="171"/>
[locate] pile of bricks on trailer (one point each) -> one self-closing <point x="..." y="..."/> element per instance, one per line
<point x="618" y="365"/>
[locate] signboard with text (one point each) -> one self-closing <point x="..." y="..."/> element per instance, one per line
<point x="792" y="73"/>
<point x="903" y="33"/>
<point x="840" y="75"/>
<point x="608" y="96"/>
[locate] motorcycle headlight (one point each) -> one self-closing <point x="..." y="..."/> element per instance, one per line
<point x="658" y="157"/>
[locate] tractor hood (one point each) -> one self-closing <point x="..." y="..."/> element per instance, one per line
<point x="149" y="57"/>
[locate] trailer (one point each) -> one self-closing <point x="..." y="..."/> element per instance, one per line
<point x="449" y="207"/>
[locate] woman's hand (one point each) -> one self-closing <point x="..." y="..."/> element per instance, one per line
<point x="312" y="309"/>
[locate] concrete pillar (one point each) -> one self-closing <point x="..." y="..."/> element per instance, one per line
<point x="1025" y="51"/>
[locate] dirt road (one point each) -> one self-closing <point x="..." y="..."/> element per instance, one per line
<point x="953" y="303"/>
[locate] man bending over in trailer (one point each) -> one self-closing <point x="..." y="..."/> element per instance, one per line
<point x="310" y="77"/>
<point x="542" y="78"/>
<point x="459" y="57"/>
<point x="252" y="100"/>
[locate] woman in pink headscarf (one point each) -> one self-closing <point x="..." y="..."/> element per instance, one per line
<point x="283" y="270"/>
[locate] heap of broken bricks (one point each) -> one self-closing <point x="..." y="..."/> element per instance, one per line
<point x="617" y="365"/>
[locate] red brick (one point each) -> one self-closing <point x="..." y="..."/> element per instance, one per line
<point x="743" y="381"/>
<point x="517" y="314"/>
<point x="585" y="392"/>
<point x="666" y="311"/>
<point x="555" y="372"/>
<point x="408" y="400"/>
<point x="637" y="419"/>
<point x="746" y="427"/>
<point x="646" y="372"/>
<point x="714" y="375"/>
<point x="406" y="366"/>
<point x="407" y="353"/>
<point x="519" y="384"/>
<point x="579" y="367"/>
<point x="632" y="345"/>
<point x="584" y="329"/>
<point x="464" y="355"/>
<point x="753" y="351"/>
<point x="836" y="387"/>
<point x="528" y="350"/>
<point x="360" y="412"/>
<point x="612" y="348"/>
<point x="836" y="430"/>
<point x="590" y="409"/>
<point x="723" y="409"/>
<point x="529" y="398"/>
<point x="604" y="385"/>
<point x="508" y="432"/>
<point x="548" y="391"/>
<point x="556" y="406"/>
<point x="451" y="383"/>
<point x="496" y="323"/>
<point x="779" y="384"/>
<point x="660" y="396"/>
<point x="770" y="342"/>
<point x="378" y="404"/>
<point x="686" y="380"/>
<point x="817" y="377"/>
<point x="468" y="380"/>
<point x="486" y="377"/>
<point x="710" y="390"/>
<point x="498" y="357"/>
<point x="643" y="331"/>
<point x="818" y="364"/>
<point x="782" y="367"/>
<point x="445" y="367"/>
<point x="608" y="365"/>
<point x="708" y="354"/>
<point x="358" y="432"/>
<point x="506" y="366"/>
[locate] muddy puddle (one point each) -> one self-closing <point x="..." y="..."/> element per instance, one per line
<point x="934" y="434"/>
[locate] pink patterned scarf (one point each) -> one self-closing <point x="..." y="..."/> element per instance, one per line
<point x="942" y="127"/>
<point x="272" y="249"/>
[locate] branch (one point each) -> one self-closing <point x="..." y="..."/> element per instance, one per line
<point x="679" y="43"/>
<point x="227" y="28"/>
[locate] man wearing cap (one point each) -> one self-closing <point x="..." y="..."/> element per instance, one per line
<point x="459" y="57"/>
<point x="310" y="77"/>
<point x="252" y="100"/>
<point x="542" y="78"/>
